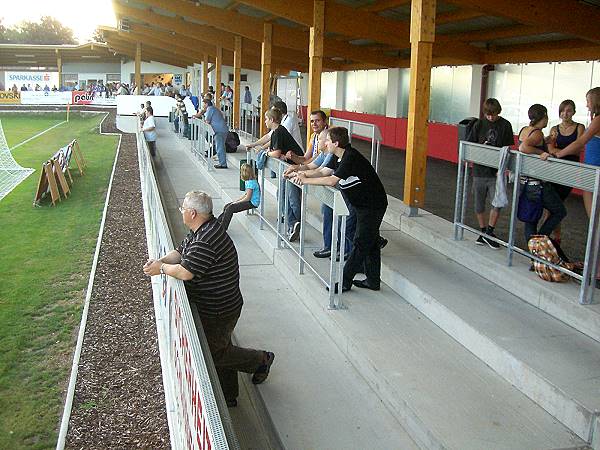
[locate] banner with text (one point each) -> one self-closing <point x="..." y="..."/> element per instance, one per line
<point x="82" y="97"/>
<point x="10" y="97"/>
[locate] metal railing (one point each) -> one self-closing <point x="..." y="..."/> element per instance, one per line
<point x="567" y="173"/>
<point x="327" y="195"/>
<point x="202" y="142"/>
<point x="362" y="129"/>
<point x="248" y="113"/>
<point x="195" y="421"/>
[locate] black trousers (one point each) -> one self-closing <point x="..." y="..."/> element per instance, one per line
<point x="365" y="247"/>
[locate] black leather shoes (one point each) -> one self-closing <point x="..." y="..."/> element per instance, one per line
<point x="382" y="242"/>
<point x="219" y="166"/>
<point x="344" y="288"/>
<point x="365" y="284"/>
<point x="323" y="253"/>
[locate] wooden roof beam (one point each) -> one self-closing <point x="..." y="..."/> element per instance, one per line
<point x="565" y="50"/>
<point x="251" y="28"/>
<point x="382" y="5"/>
<point x="581" y="20"/>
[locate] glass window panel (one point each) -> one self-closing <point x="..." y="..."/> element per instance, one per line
<point x="536" y="87"/>
<point x="571" y="81"/>
<point x="461" y="93"/>
<point x="505" y="86"/>
<point x="441" y="94"/>
<point x="328" y="89"/>
<point x="351" y="93"/>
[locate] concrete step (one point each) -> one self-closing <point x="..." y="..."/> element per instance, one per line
<point x="381" y="331"/>
<point x="520" y="341"/>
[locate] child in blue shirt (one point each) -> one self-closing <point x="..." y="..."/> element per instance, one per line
<point x="250" y="199"/>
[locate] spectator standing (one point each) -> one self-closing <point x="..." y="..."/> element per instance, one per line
<point x="207" y="262"/>
<point x="282" y="142"/>
<point x="214" y="117"/>
<point x="496" y="131"/>
<point x="362" y="189"/>
<point x="149" y="129"/>
<point x="590" y="139"/>
<point x="247" y="95"/>
<point x="532" y="141"/>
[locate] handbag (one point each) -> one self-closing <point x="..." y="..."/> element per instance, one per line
<point x="530" y="206"/>
<point x="543" y="247"/>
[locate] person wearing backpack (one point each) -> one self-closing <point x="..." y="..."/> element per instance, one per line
<point x="496" y="131"/>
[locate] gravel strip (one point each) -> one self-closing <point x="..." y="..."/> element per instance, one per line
<point x="119" y="398"/>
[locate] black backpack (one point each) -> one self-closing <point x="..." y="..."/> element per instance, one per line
<point x="232" y="142"/>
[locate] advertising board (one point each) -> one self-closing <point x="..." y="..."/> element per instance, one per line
<point x="10" y="97"/>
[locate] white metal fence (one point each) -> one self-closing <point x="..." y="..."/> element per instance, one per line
<point x="195" y="421"/>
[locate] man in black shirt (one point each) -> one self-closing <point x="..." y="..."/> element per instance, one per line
<point x="207" y="263"/>
<point x="281" y="143"/>
<point x="362" y="189"/>
<point x="497" y="131"/>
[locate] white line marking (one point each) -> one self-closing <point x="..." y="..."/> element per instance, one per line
<point x="37" y="135"/>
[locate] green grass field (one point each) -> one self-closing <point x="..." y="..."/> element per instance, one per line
<point x="45" y="260"/>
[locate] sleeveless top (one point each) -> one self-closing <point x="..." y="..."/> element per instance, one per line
<point x="562" y="141"/>
<point x="543" y="147"/>
<point x="592" y="152"/>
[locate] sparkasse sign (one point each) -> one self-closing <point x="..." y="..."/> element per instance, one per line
<point x="49" y="79"/>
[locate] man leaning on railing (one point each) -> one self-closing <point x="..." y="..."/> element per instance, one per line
<point x="207" y="263"/>
<point x="362" y="189"/>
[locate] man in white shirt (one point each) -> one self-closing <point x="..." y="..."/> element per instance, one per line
<point x="149" y="129"/>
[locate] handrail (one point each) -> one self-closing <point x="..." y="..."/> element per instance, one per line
<point x="325" y="194"/>
<point x="568" y="173"/>
<point x="195" y="421"/>
<point x="362" y="129"/>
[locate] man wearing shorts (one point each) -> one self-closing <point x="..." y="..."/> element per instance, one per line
<point x="490" y="130"/>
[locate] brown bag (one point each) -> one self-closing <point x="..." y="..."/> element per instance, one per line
<point x="542" y="247"/>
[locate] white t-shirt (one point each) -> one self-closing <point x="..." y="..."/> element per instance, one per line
<point x="290" y="122"/>
<point x="149" y="123"/>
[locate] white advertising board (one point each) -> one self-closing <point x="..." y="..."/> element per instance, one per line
<point x="45" y="98"/>
<point x="31" y="78"/>
<point x="130" y="104"/>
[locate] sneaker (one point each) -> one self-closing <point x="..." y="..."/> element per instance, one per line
<point x="480" y="241"/>
<point x="262" y="372"/>
<point x="323" y="253"/>
<point x="492" y="244"/>
<point x="295" y="234"/>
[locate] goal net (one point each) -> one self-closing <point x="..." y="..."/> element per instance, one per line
<point x="11" y="173"/>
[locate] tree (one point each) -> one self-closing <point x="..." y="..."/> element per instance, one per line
<point x="47" y="31"/>
<point x="98" y="36"/>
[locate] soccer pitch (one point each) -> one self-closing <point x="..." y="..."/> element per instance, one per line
<point x="45" y="260"/>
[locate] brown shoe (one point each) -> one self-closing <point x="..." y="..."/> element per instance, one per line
<point x="262" y="372"/>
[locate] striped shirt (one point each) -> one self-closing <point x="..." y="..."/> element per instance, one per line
<point x="209" y="254"/>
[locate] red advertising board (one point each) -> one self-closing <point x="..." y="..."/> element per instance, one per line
<point x="82" y="97"/>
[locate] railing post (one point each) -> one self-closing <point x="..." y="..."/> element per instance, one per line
<point x="262" y="199"/>
<point x="459" y="188"/>
<point x="280" y="203"/>
<point x="332" y="264"/>
<point x="513" y="209"/>
<point x="340" y="267"/>
<point x="302" y="228"/>
<point x="586" y="293"/>
<point x="463" y="206"/>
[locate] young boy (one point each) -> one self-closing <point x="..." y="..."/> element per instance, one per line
<point x="497" y="131"/>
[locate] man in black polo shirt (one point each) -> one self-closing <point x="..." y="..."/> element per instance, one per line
<point x="361" y="188"/>
<point x="207" y="263"/>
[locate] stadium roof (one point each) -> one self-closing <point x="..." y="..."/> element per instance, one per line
<point x="25" y="55"/>
<point x="362" y="34"/>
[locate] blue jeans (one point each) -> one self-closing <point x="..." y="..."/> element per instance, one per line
<point x="220" y="148"/>
<point x="294" y="196"/>
<point x="552" y="202"/>
<point x="328" y="225"/>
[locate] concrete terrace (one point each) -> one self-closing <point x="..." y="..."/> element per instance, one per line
<point x="456" y="351"/>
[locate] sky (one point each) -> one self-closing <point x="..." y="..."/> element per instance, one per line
<point x="82" y="16"/>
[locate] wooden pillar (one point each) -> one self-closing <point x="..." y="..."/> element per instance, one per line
<point x="218" y="70"/>
<point x="138" y="68"/>
<point x="237" y="78"/>
<point x="422" y="34"/>
<point x="59" y="66"/>
<point x="315" y="66"/>
<point x="265" y="74"/>
<point x="205" y="74"/>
